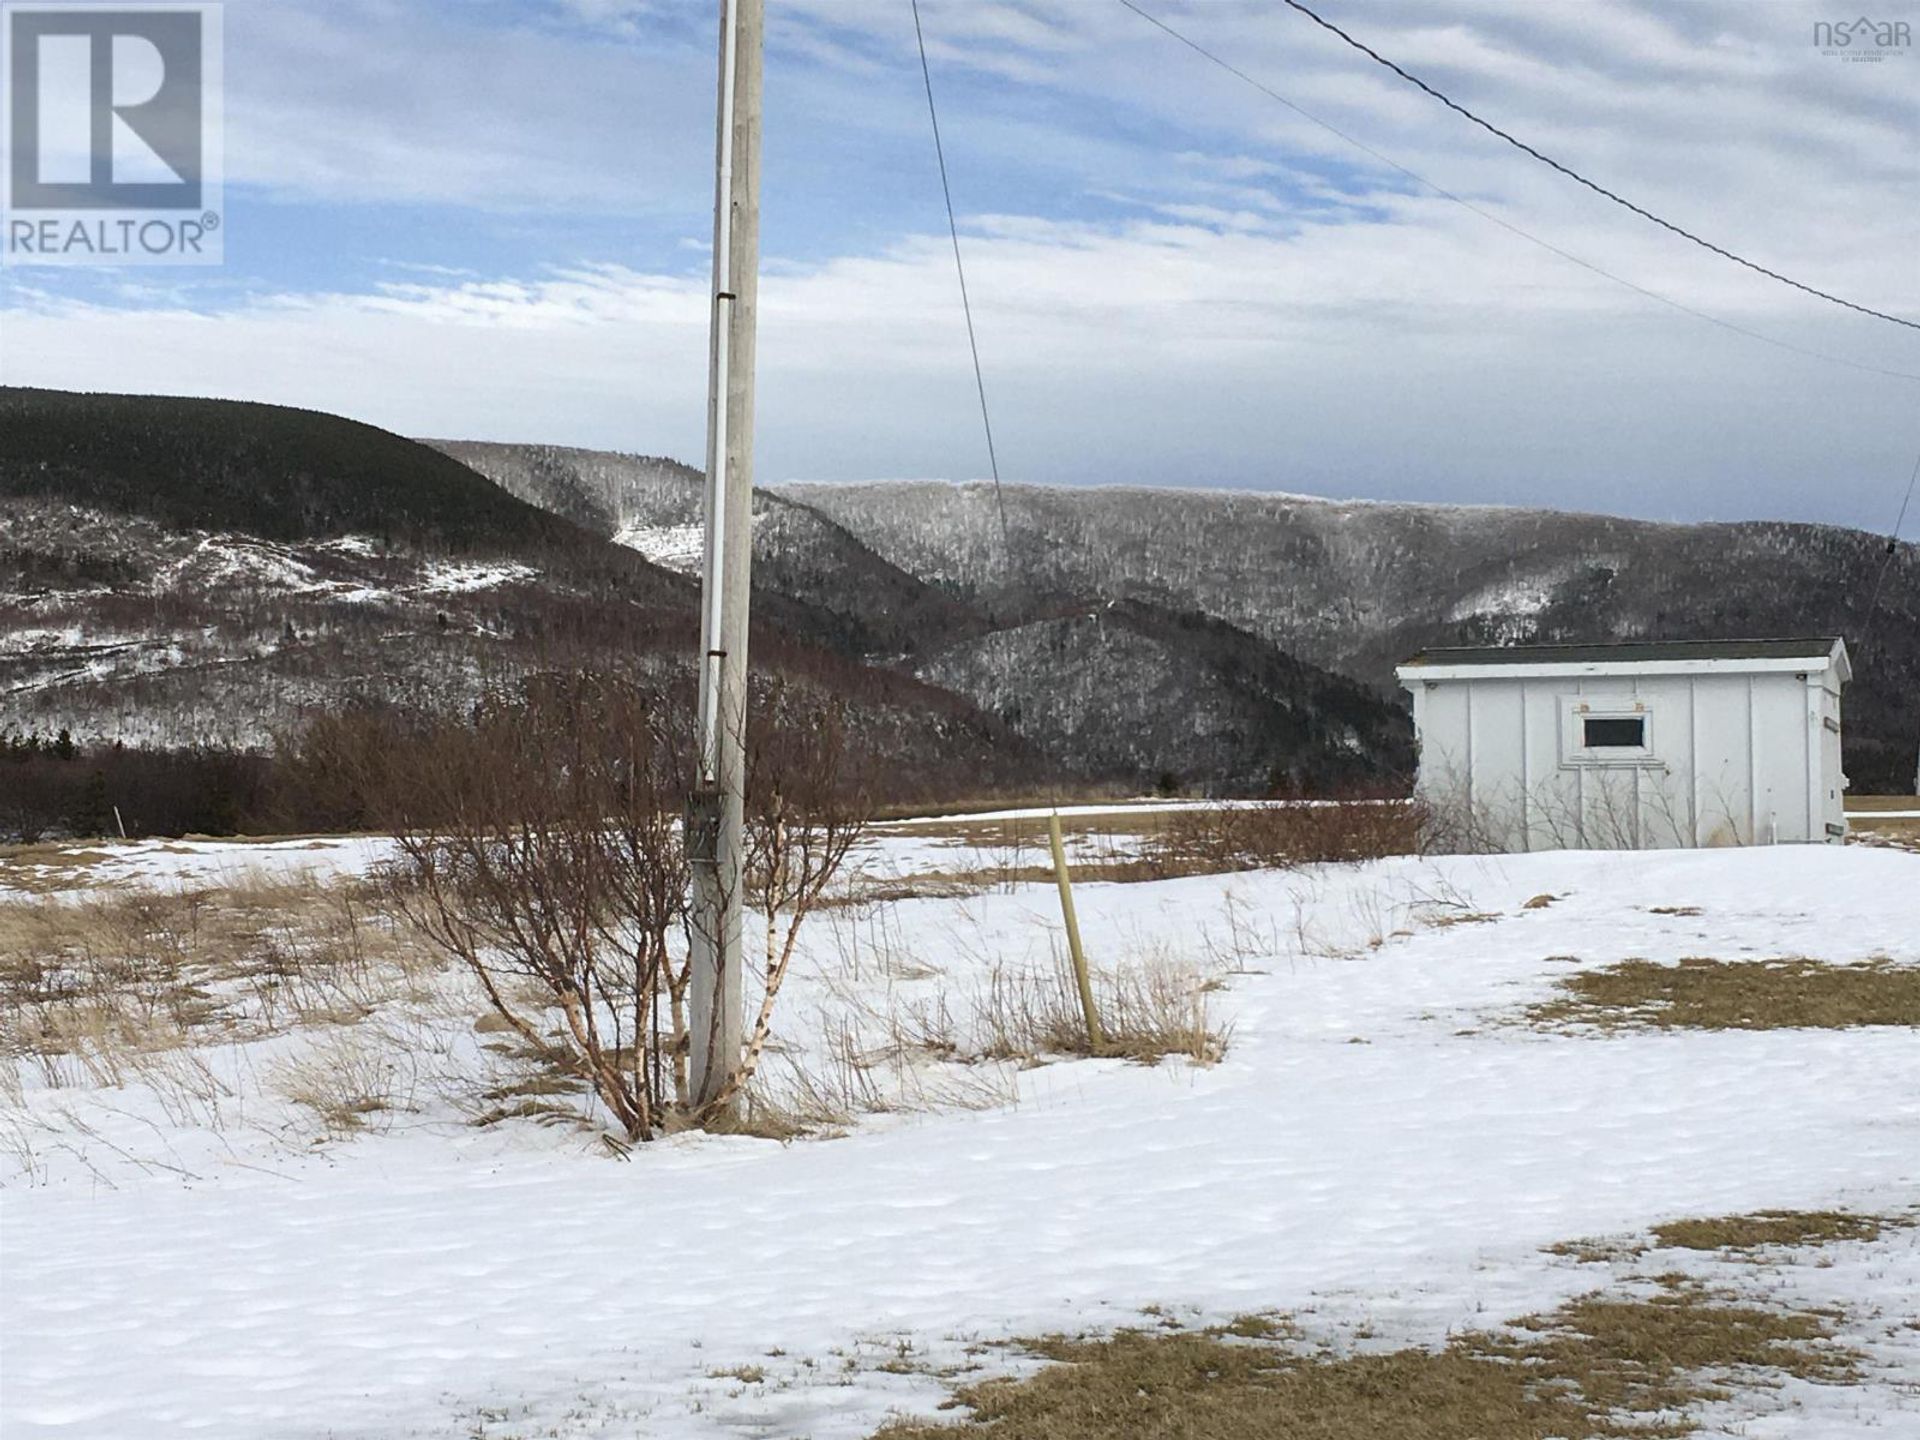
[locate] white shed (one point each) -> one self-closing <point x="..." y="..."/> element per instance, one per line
<point x="1632" y="746"/>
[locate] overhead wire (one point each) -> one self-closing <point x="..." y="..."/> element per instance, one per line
<point x="1505" y="224"/>
<point x="966" y="303"/>
<point x="1913" y="482"/>
<point x="960" y="269"/>
<point x="1593" y="185"/>
<point x="1893" y="553"/>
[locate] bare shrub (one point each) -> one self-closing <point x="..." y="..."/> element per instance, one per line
<point x="804" y="815"/>
<point x="544" y="853"/>
<point x="1287" y="833"/>
<point x="541" y="852"/>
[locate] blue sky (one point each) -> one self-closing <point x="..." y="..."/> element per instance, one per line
<point x="490" y="219"/>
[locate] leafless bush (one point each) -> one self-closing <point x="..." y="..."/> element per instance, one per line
<point x="805" y="813"/>
<point x="1605" y="810"/>
<point x="547" y="858"/>
<point x="1287" y="833"/>
<point x="541" y="852"/>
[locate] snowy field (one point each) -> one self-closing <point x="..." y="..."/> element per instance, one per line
<point x="1383" y="1153"/>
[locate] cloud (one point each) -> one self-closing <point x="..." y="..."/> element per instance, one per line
<point x="1176" y="279"/>
<point x="1332" y="357"/>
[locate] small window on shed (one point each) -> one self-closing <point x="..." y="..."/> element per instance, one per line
<point x="1614" y="732"/>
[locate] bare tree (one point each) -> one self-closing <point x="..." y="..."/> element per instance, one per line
<point x="806" y="811"/>
<point x="542" y="847"/>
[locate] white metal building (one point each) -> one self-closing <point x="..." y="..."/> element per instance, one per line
<point x="1633" y="746"/>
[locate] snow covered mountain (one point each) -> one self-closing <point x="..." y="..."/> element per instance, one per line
<point x="809" y="573"/>
<point x="1150" y="690"/>
<point x="181" y="572"/>
<point x="1357" y="587"/>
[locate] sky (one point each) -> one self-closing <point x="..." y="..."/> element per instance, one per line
<point x="491" y="219"/>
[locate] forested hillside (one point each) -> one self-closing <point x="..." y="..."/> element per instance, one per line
<point x="1358" y="587"/>
<point x="197" y="576"/>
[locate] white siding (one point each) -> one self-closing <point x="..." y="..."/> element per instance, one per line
<point x="1734" y="758"/>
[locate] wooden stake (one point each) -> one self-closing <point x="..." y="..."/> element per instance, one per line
<point x="1095" y="1037"/>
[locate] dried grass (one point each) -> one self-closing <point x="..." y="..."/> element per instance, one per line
<point x="1768" y="1228"/>
<point x="1735" y="995"/>
<point x="1213" y="839"/>
<point x="346" y="1078"/>
<point x="98" y="988"/>
<point x="1141" y="846"/>
<point x="1602" y="1366"/>
<point x="1151" y="1009"/>
<point x="48" y="869"/>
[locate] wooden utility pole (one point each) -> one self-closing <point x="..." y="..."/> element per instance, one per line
<point x="715" y="829"/>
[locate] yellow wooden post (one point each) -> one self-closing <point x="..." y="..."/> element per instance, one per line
<point x="1095" y="1038"/>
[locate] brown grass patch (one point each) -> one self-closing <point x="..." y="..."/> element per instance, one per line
<point x="92" y="983"/>
<point x="1791" y="1228"/>
<point x="1763" y="1229"/>
<point x="1861" y="807"/>
<point x="1736" y="995"/>
<point x="1193" y="840"/>
<point x="47" y="869"/>
<point x="981" y="879"/>
<point x="1231" y="837"/>
<point x="1870" y="823"/>
<point x="1601" y="1366"/>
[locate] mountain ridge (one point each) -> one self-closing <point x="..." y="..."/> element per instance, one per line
<point x="1358" y="587"/>
<point x="1230" y="639"/>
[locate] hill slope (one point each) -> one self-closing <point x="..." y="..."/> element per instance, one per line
<point x="1209" y="703"/>
<point x="187" y="572"/>
<point x="810" y="574"/>
<point x="264" y="470"/>
<point x="1166" y="697"/>
<point x="1358" y="587"/>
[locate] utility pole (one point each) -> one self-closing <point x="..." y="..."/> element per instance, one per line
<point x="716" y="818"/>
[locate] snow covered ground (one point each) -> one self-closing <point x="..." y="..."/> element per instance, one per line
<point x="1382" y="1151"/>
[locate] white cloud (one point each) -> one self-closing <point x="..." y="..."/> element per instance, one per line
<point x="1362" y="359"/>
<point x="1272" y="308"/>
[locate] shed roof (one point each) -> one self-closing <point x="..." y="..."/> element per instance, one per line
<point x="1818" y="655"/>
<point x="1630" y="652"/>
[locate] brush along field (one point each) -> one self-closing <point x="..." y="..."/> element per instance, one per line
<point x="1553" y="1145"/>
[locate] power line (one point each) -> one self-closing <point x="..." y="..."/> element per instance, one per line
<point x="1913" y="482"/>
<point x="1577" y="177"/>
<point x="1803" y="350"/>
<point x="960" y="269"/>
<point x="1893" y="552"/>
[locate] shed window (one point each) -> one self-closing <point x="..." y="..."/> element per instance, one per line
<point x="1611" y="732"/>
<point x="1607" y="729"/>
